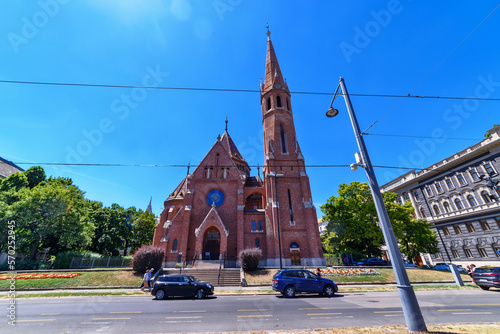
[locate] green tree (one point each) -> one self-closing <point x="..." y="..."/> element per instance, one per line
<point x="354" y="223"/>
<point x="144" y="224"/>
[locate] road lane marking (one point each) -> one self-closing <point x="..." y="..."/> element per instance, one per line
<point x="50" y="314"/>
<point x="111" y="318"/>
<point x="192" y="311"/>
<point x="322" y="313"/>
<point x="473" y="313"/>
<point x="313" y="308"/>
<point x="387" y="311"/>
<point x="197" y="317"/>
<point x="455" y="310"/>
<point x="124" y="312"/>
<point x="255" y="316"/>
<point x="35" y="320"/>
<point x="484" y="304"/>
<point x="254" y="310"/>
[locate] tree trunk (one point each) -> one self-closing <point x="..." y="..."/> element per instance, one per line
<point x="34" y="251"/>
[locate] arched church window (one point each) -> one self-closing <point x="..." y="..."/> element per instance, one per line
<point x="278" y="101"/>
<point x="268" y="103"/>
<point x="294" y="245"/>
<point x="283" y="139"/>
<point x="174" y="246"/>
<point x="257" y="243"/>
<point x="253" y="226"/>
<point x="260" y="225"/>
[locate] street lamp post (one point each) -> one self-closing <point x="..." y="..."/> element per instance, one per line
<point x="411" y="309"/>
<point x="274" y="175"/>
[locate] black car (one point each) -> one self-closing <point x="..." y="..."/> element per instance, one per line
<point x="486" y="277"/>
<point x="372" y="262"/>
<point x="290" y="281"/>
<point x="180" y="285"/>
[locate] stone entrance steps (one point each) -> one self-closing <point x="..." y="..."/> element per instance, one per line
<point x="228" y="277"/>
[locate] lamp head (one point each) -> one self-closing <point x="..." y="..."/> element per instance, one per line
<point x="332" y="112"/>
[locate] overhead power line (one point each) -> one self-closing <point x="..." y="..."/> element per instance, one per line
<point x="410" y="136"/>
<point x="191" y="166"/>
<point x="244" y="90"/>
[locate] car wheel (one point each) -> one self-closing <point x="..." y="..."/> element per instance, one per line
<point x="160" y="294"/>
<point x="484" y="287"/>
<point x="200" y="294"/>
<point x="329" y="291"/>
<point x="289" y="291"/>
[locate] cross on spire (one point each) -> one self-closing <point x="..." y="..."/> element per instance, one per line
<point x="226" y="123"/>
<point x="268" y="33"/>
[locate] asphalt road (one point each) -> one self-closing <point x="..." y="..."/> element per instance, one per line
<point x="143" y="314"/>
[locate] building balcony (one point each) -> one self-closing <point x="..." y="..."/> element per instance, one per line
<point x="478" y="209"/>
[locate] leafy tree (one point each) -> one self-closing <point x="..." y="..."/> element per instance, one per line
<point x="144" y="224"/>
<point x="354" y="223"/>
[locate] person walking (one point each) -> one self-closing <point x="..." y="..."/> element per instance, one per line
<point x="318" y="272"/>
<point x="150" y="275"/>
<point x="145" y="280"/>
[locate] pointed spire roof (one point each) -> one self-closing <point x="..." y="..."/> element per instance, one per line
<point x="273" y="73"/>
<point x="150" y="208"/>
<point x="230" y="147"/>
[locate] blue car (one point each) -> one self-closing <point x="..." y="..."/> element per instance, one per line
<point x="290" y="281"/>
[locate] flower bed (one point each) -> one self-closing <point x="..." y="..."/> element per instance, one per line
<point x="349" y="272"/>
<point x="39" y="276"/>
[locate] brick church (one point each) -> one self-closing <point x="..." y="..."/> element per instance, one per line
<point x="220" y="209"/>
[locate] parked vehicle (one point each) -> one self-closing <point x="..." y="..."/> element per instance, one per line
<point x="372" y="262"/>
<point x="410" y="265"/>
<point x="291" y="281"/>
<point x="486" y="277"/>
<point x="180" y="285"/>
<point x="446" y="266"/>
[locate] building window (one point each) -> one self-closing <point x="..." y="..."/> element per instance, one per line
<point x="422" y="212"/>
<point x="438" y="187"/>
<point x="436" y="209"/>
<point x="260" y="225"/>
<point x="407" y="197"/>
<point x="489" y="169"/>
<point x="457" y="229"/>
<point x="445" y="231"/>
<point x="461" y="179"/>
<point x="437" y="255"/>
<point x="498" y="221"/>
<point x="449" y="183"/>
<point x="455" y="253"/>
<point x="471" y="200"/>
<point x="486" y="196"/>
<point x="283" y="139"/>
<point x="268" y="103"/>
<point x="467" y="252"/>
<point x="429" y="190"/>
<point x="481" y="251"/>
<point x="446" y="207"/>
<point x="288" y="104"/>
<point x="470" y="227"/>
<point x="257" y="243"/>
<point x="400" y="201"/>
<point x="290" y="205"/>
<point x="474" y="174"/>
<point x="253" y="226"/>
<point x="415" y="194"/>
<point x="485" y="225"/>
<point x="174" y="246"/>
<point x="496" y="249"/>
<point x="278" y="101"/>
<point x="458" y="204"/>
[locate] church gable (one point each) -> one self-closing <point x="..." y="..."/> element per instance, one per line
<point x="212" y="219"/>
<point x="217" y="164"/>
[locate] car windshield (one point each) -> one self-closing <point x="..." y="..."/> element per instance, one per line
<point x="484" y="270"/>
<point x="192" y="279"/>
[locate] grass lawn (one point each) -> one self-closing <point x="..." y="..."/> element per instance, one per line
<point x="264" y="276"/>
<point x="97" y="278"/>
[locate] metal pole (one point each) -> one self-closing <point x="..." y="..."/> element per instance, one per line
<point x="277" y="218"/>
<point x="411" y="309"/>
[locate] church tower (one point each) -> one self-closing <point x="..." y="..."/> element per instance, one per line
<point x="286" y="182"/>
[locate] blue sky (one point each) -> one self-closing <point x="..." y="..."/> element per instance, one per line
<point x="379" y="47"/>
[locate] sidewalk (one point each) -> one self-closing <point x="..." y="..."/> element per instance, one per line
<point x="226" y="290"/>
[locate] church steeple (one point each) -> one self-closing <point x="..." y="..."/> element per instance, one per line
<point x="273" y="78"/>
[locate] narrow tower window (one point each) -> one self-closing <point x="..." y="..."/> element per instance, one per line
<point x="288" y="104"/>
<point x="283" y="140"/>
<point x="268" y="103"/>
<point x="290" y="205"/>
<point x="278" y="101"/>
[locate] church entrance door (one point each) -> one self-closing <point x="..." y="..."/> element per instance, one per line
<point x="211" y="244"/>
<point x="295" y="254"/>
